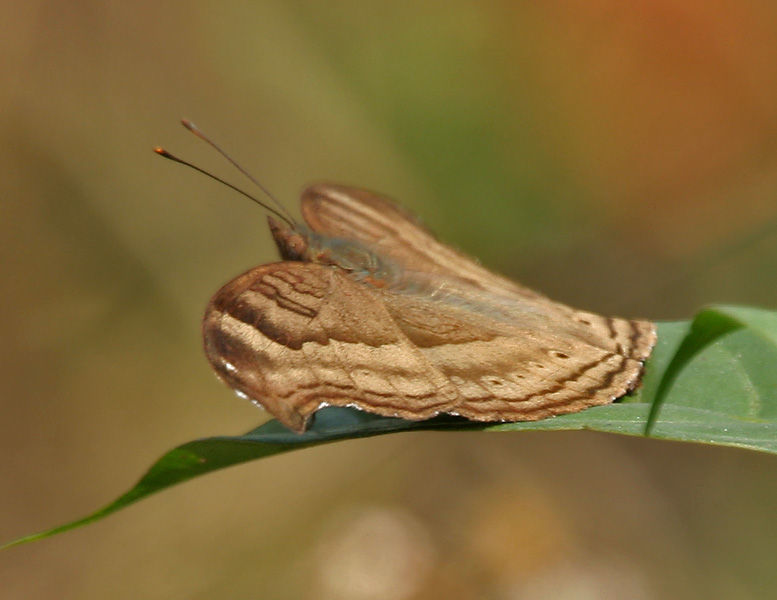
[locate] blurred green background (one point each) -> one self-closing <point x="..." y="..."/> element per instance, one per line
<point x="620" y="157"/>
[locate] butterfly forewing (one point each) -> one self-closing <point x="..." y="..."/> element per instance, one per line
<point x="296" y="336"/>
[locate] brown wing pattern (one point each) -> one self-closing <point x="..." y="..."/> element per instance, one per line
<point x="297" y="336"/>
<point x="520" y="371"/>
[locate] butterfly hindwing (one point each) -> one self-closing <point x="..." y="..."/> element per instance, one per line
<point x="515" y="371"/>
<point x="391" y="232"/>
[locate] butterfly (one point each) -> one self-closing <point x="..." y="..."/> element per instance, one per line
<point x="368" y="309"/>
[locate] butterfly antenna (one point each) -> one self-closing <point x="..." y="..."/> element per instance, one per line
<point x="164" y="153"/>
<point x="200" y="134"/>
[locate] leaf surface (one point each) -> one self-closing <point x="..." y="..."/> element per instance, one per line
<point x="712" y="380"/>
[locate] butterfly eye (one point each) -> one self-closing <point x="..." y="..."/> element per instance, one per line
<point x="296" y="246"/>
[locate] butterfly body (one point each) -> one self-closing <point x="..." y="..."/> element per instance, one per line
<point x="369" y="310"/>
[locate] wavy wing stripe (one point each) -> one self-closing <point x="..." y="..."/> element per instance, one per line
<point x="557" y="400"/>
<point x="252" y="365"/>
<point x="583" y="371"/>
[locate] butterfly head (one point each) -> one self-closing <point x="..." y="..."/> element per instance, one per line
<point x="292" y="242"/>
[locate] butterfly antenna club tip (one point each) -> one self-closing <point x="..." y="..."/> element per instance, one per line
<point x="190" y="126"/>
<point x="162" y="152"/>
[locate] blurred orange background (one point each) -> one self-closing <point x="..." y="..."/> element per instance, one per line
<point x="620" y="157"/>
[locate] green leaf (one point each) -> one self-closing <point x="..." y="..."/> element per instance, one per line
<point x="712" y="380"/>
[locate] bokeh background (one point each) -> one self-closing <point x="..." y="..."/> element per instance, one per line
<point x="618" y="156"/>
